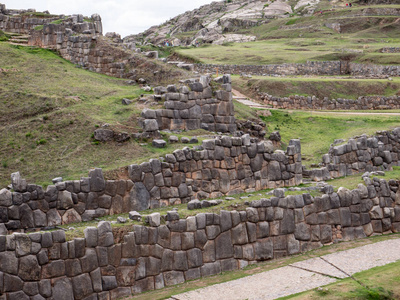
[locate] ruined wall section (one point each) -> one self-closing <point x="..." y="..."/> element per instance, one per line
<point x="25" y="22"/>
<point x="362" y="154"/>
<point x="22" y="21"/>
<point x="192" y="106"/>
<point x="323" y="68"/>
<point x="222" y="166"/>
<point x="308" y="102"/>
<point x="47" y="266"/>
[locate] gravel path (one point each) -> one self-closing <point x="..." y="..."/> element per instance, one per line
<point x="300" y="276"/>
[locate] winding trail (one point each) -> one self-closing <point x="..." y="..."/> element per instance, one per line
<point x="253" y="103"/>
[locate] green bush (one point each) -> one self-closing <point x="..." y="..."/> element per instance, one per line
<point x="41" y="142"/>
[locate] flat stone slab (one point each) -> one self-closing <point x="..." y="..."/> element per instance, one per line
<point x="267" y="285"/>
<point x="366" y="257"/>
<point x="320" y="266"/>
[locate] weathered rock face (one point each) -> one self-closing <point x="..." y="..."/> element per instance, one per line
<point x="212" y="22"/>
<point x="44" y="265"/>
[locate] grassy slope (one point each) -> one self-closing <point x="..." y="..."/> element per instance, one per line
<point x="331" y="87"/>
<point x="299" y="39"/>
<point x="318" y="131"/>
<point x="50" y="109"/>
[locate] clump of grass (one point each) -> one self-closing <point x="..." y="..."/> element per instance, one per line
<point x="39" y="27"/>
<point x="373" y="293"/>
<point x="41" y="142"/>
<point x="3" y="37"/>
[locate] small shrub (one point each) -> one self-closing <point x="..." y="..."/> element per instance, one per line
<point x="41" y="142"/>
<point x="5" y="164"/>
<point x="45" y="118"/>
<point x="28" y="135"/>
<point x="291" y="22"/>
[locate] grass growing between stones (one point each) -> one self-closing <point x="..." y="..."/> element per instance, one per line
<point x="380" y="283"/>
<point x="75" y="230"/>
<point x="167" y="292"/>
<point x="318" y="131"/>
<point x="319" y="86"/>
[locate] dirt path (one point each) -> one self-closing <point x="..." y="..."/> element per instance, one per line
<point x="301" y="276"/>
<point x="252" y="103"/>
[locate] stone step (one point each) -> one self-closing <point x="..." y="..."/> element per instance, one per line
<point x="18" y="44"/>
<point x="13" y="33"/>
<point x="20" y="41"/>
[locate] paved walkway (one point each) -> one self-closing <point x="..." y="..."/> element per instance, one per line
<point x="300" y="276"/>
<point x="247" y="101"/>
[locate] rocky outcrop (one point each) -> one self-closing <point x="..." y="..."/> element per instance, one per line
<point x="215" y="23"/>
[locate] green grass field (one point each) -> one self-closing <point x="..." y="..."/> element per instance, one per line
<point x="300" y="39"/>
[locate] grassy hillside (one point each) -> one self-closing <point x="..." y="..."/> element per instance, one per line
<point x="50" y="109"/>
<point x="299" y="39"/>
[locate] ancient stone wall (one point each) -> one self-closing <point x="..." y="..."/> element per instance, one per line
<point x="308" y="102"/>
<point x="25" y="21"/>
<point x="82" y="43"/>
<point x="390" y="50"/>
<point x="329" y="68"/>
<point x="362" y="154"/>
<point x="22" y="21"/>
<point x="222" y="166"/>
<point x="46" y="266"/>
<point x="192" y="107"/>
